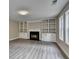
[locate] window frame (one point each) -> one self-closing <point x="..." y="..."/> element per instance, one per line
<point x="67" y="21"/>
<point x="61" y="31"/>
<point x="64" y="28"/>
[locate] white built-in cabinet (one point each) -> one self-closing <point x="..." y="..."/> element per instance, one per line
<point x="49" y="26"/>
<point x="47" y="29"/>
<point x="22" y="26"/>
<point x="23" y="30"/>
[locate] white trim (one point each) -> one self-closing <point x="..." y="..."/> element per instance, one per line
<point x="48" y="25"/>
<point x="13" y="38"/>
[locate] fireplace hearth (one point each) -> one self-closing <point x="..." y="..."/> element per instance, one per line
<point x="34" y="35"/>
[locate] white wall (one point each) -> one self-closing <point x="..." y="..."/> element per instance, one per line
<point x="13" y="30"/>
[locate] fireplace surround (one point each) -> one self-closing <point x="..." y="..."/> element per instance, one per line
<point x="34" y="35"/>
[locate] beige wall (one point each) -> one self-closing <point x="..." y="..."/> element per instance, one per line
<point x="13" y="30"/>
<point x="62" y="45"/>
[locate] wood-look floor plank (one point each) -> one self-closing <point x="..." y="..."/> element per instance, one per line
<point x="25" y="49"/>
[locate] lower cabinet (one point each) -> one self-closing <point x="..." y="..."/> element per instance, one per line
<point x="23" y="35"/>
<point x="50" y="37"/>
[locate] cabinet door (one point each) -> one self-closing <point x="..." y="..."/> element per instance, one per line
<point x="23" y="35"/>
<point x="51" y="37"/>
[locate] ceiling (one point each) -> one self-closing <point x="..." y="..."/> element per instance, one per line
<point x="38" y="9"/>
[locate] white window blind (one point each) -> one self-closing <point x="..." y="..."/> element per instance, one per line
<point x="67" y="26"/>
<point x="61" y="28"/>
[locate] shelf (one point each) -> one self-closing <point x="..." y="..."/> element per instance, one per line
<point x="43" y="26"/>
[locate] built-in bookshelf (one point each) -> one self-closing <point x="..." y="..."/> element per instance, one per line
<point x="49" y="26"/>
<point x="45" y="26"/>
<point x="22" y="26"/>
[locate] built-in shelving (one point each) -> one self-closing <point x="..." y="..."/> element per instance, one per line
<point x="22" y="26"/>
<point x="45" y="26"/>
<point x="49" y="26"/>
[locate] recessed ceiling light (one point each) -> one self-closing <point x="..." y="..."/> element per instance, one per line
<point x="23" y="12"/>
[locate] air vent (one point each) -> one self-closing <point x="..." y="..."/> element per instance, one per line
<point x="54" y="1"/>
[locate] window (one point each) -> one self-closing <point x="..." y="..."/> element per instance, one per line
<point x="67" y="26"/>
<point x="61" y="28"/>
<point x="64" y="27"/>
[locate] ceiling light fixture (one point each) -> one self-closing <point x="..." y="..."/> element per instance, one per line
<point x="23" y="12"/>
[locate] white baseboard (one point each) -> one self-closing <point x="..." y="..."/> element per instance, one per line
<point x="13" y="38"/>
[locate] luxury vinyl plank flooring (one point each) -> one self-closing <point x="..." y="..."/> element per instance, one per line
<point x="26" y="49"/>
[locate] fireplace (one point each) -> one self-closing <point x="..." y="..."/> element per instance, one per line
<point x="34" y="35"/>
